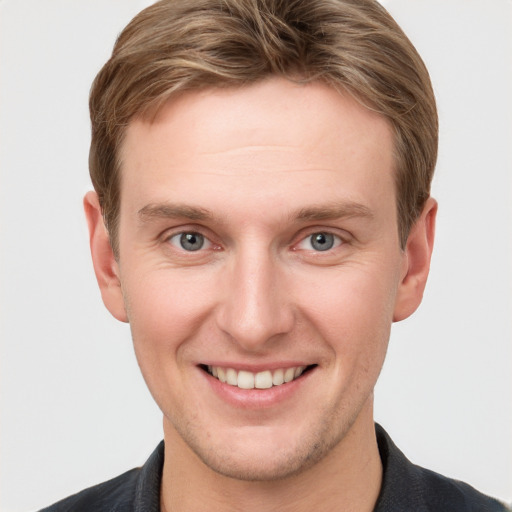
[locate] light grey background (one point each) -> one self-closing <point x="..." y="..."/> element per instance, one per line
<point x="75" y="410"/>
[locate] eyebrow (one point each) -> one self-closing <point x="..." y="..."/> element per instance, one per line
<point x="308" y="214"/>
<point x="173" y="211"/>
<point x="335" y="211"/>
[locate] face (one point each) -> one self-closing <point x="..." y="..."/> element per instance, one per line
<point x="260" y="270"/>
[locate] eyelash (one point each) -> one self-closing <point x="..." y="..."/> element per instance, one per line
<point x="322" y="237"/>
<point x="177" y="240"/>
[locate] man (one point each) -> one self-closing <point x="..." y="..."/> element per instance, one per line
<point x="261" y="215"/>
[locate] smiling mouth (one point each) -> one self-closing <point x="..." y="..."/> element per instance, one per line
<point x="260" y="380"/>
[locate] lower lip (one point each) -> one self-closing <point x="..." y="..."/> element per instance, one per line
<point x="257" y="398"/>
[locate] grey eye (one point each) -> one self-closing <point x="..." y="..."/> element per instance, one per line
<point x="191" y="241"/>
<point x="322" y="241"/>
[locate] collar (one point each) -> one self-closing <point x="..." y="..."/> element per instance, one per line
<point x="405" y="486"/>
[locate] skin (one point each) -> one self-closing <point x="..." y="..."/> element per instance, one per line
<point x="257" y="171"/>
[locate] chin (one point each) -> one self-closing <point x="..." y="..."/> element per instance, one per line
<point x="259" y="455"/>
<point x="265" y="465"/>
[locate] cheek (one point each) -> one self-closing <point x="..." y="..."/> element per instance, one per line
<point x="164" y="309"/>
<point x="352" y="310"/>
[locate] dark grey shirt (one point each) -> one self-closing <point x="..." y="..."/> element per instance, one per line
<point x="405" y="487"/>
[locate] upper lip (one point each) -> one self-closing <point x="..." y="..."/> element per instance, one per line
<point x="255" y="368"/>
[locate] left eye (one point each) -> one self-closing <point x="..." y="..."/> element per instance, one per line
<point x="189" y="241"/>
<point x="320" y="241"/>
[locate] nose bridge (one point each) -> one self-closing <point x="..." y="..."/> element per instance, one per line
<point x="255" y="307"/>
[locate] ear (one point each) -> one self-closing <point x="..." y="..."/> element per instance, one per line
<point x="417" y="254"/>
<point x="105" y="265"/>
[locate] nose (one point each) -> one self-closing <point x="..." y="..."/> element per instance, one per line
<point x="256" y="305"/>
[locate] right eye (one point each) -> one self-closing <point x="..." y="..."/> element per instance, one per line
<point x="189" y="241"/>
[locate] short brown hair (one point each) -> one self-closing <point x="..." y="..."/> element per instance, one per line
<point x="352" y="45"/>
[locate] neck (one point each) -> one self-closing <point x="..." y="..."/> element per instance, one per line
<point x="348" y="478"/>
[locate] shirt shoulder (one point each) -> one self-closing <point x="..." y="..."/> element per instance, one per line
<point x="115" y="495"/>
<point x="406" y="486"/>
<point x="446" y="494"/>
<point x="137" y="490"/>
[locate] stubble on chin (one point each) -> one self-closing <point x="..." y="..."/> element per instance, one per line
<point x="270" y="461"/>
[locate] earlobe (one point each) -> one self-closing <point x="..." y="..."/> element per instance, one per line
<point x="105" y="265"/>
<point x="417" y="255"/>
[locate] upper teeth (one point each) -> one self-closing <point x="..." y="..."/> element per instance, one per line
<point x="261" y="380"/>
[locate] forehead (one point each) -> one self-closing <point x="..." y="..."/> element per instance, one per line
<point x="258" y="143"/>
<point x="258" y="112"/>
